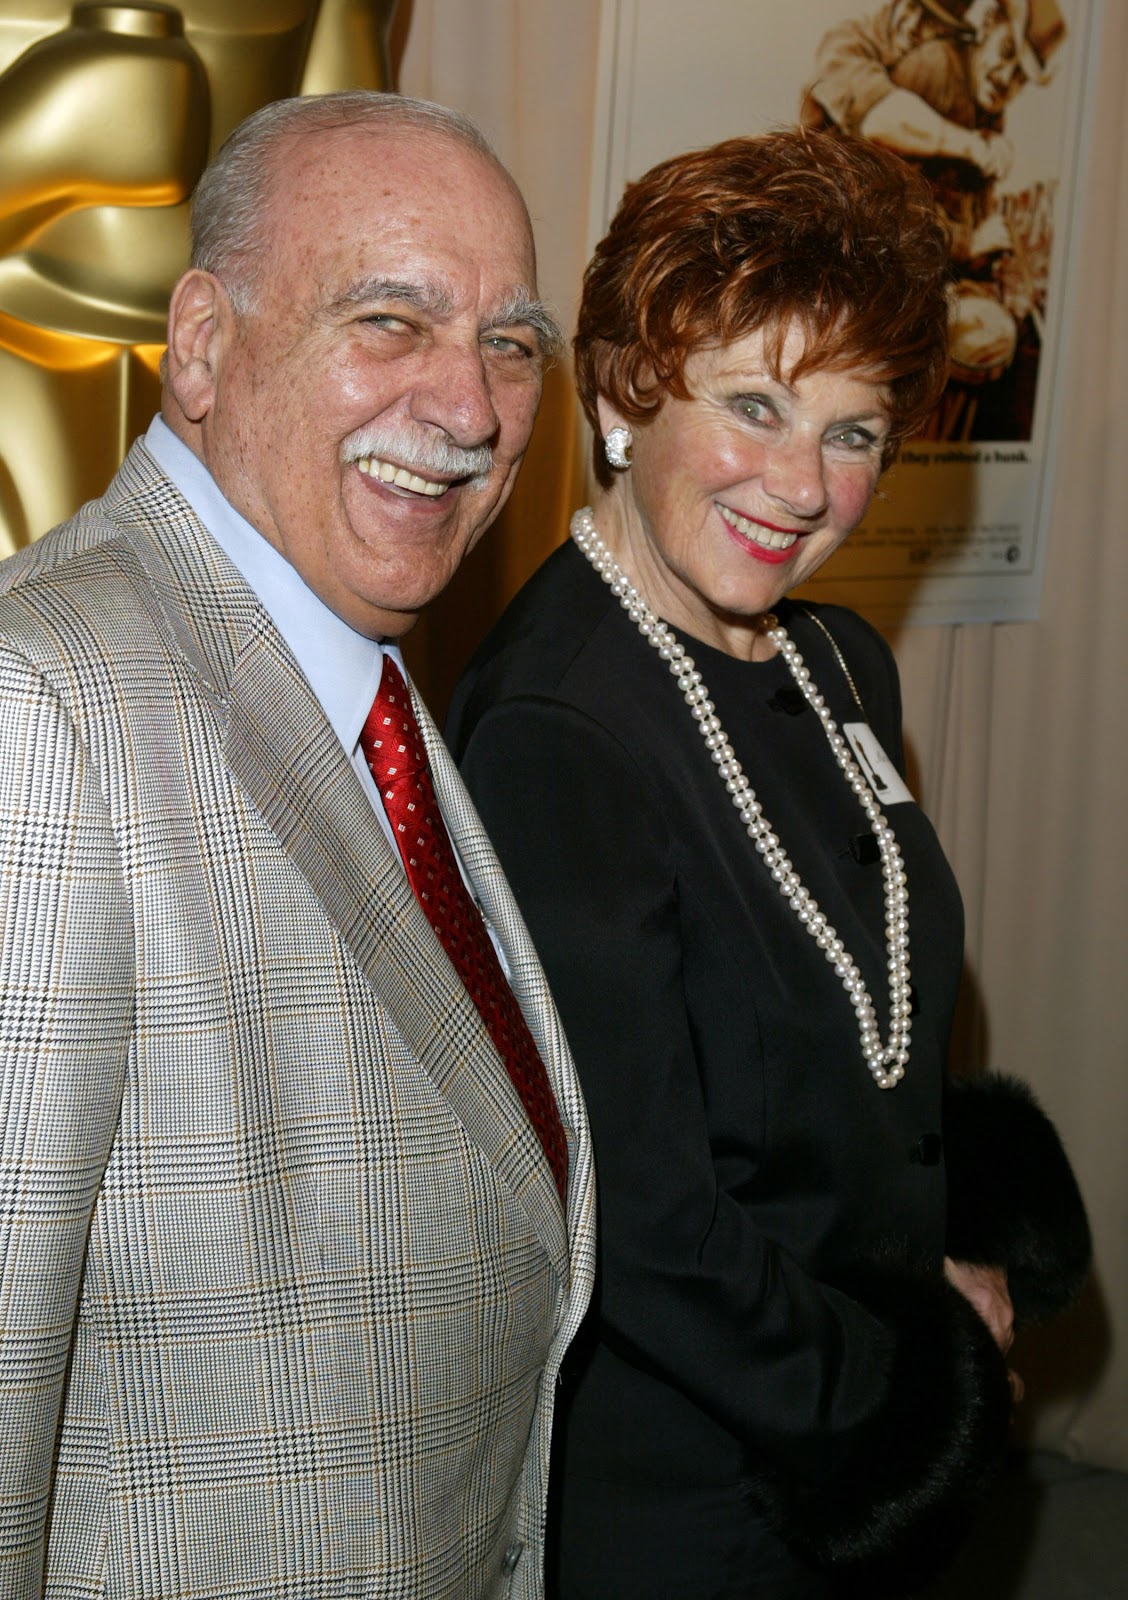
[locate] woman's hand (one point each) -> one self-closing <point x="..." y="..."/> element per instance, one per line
<point x="985" y="1288"/>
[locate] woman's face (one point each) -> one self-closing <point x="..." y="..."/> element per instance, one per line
<point x="742" y="492"/>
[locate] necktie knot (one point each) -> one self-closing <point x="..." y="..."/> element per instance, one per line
<point x="391" y="739"/>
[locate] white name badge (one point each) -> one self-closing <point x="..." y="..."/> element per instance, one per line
<point x="877" y="769"/>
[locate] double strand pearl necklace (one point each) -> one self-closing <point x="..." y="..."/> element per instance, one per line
<point x="886" y="1063"/>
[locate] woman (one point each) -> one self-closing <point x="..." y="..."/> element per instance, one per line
<point x="695" y="788"/>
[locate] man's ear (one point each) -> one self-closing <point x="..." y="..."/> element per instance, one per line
<point x="199" y="319"/>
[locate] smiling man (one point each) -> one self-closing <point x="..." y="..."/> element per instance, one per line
<point x="296" y="1214"/>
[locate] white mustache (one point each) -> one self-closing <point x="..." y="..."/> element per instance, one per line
<point x="419" y="451"/>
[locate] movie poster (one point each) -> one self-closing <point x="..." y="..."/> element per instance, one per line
<point x="985" y="97"/>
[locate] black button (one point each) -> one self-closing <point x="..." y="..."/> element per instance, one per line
<point x="790" y="701"/>
<point x="863" y="848"/>
<point x="927" y="1150"/>
<point x="511" y="1557"/>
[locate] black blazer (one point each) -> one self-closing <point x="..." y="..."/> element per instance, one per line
<point x="771" y="1307"/>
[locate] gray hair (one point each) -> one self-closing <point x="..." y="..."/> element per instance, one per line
<point x="232" y="195"/>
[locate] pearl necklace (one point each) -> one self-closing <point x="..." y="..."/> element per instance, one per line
<point x="886" y="1063"/>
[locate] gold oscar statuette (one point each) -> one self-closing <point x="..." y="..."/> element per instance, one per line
<point x="108" y="114"/>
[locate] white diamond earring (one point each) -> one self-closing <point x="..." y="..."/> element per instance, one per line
<point x="616" y="445"/>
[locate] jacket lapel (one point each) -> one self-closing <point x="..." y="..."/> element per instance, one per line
<point x="282" y="750"/>
<point x="526" y="975"/>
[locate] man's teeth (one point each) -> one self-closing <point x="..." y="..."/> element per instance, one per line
<point x="768" y="537"/>
<point x="388" y="473"/>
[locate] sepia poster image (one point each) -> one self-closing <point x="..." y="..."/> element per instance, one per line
<point x="987" y="99"/>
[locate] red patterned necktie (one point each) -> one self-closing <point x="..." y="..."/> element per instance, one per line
<point x="397" y="758"/>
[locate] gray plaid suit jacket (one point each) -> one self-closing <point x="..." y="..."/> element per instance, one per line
<point x="284" y="1278"/>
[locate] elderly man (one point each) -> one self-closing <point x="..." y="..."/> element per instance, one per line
<point x="296" y="1204"/>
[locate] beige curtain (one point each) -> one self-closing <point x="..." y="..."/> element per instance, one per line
<point x="1017" y="731"/>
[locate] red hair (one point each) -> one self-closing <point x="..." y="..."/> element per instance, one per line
<point x="832" y="232"/>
